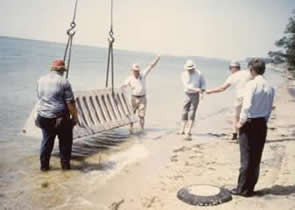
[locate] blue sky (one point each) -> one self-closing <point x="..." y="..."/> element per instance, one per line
<point x="231" y="29"/>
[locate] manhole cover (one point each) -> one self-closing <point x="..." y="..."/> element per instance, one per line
<point x="204" y="195"/>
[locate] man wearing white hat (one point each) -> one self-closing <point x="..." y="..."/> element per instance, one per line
<point x="194" y="85"/>
<point x="238" y="79"/>
<point x="137" y="82"/>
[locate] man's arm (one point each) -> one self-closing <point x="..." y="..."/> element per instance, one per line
<point x="247" y="103"/>
<point x="202" y="84"/>
<point x="271" y="104"/>
<point x="219" y="89"/>
<point x="37" y="90"/>
<point x="126" y="83"/>
<point x="70" y="101"/>
<point x="151" y="66"/>
<point x="73" y="112"/>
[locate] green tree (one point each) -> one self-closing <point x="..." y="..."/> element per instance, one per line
<point x="287" y="44"/>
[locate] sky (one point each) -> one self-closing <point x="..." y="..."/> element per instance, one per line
<point x="230" y="29"/>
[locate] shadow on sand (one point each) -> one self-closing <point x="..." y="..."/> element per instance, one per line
<point x="277" y="190"/>
<point x="269" y="141"/>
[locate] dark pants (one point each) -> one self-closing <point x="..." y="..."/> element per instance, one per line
<point x="61" y="127"/>
<point x="191" y="103"/>
<point x="252" y="140"/>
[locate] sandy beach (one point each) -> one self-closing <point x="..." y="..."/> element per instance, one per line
<point x="213" y="161"/>
<point x="147" y="171"/>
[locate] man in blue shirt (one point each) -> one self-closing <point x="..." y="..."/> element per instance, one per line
<point x="256" y="109"/>
<point x="194" y="85"/>
<point x="57" y="114"/>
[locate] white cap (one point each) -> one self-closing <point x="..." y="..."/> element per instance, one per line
<point x="189" y="65"/>
<point x="234" y="64"/>
<point x="135" y="67"/>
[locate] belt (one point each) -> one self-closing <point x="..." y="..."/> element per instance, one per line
<point x="255" y="119"/>
<point x="138" y="96"/>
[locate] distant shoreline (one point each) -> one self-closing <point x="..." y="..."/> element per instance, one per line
<point x="120" y="50"/>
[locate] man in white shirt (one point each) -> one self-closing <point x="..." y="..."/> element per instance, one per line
<point x="238" y="79"/>
<point x="256" y="110"/>
<point x="137" y="82"/>
<point x="194" y="85"/>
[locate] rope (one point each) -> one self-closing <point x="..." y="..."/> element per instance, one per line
<point x="70" y="33"/>
<point x="110" y="62"/>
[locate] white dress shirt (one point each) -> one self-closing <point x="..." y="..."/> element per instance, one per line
<point x="138" y="86"/>
<point x="193" y="79"/>
<point x="258" y="99"/>
<point x="238" y="81"/>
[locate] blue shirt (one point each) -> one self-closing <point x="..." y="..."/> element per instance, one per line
<point x="192" y="80"/>
<point x="258" y="99"/>
<point x="54" y="93"/>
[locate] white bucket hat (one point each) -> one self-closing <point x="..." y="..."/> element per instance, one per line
<point x="234" y="64"/>
<point x="135" y="67"/>
<point x="189" y="65"/>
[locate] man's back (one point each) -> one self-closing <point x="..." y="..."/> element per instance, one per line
<point x="53" y="92"/>
<point x="262" y="97"/>
<point x="238" y="81"/>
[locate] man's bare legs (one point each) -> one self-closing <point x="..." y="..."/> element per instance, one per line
<point x="141" y="122"/>
<point x="236" y="119"/>
<point x="190" y="126"/>
<point x="182" y="127"/>
<point x="131" y="128"/>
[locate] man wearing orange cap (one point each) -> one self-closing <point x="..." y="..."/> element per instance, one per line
<point x="138" y="90"/>
<point x="57" y="114"/>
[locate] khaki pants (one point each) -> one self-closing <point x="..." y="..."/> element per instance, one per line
<point x="190" y="106"/>
<point x="139" y="105"/>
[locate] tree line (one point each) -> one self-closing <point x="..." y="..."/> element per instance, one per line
<point x="287" y="46"/>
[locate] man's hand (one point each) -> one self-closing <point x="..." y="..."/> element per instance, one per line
<point x="75" y="121"/>
<point x="197" y="90"/>
<point x="239" y="125"/>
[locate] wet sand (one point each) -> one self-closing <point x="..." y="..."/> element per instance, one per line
<point x="146" y="171"/>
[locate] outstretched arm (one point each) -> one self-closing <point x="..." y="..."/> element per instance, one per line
<point x="219" y="89"/>
<point x="151" y="66"/>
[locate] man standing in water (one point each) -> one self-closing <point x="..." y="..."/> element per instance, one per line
<point x="57" y="115"/>
<point x="194" y="85"/>
<point x="238" y="79"/>
<point x="256" y="110"/>
<point x="137" y="82"/>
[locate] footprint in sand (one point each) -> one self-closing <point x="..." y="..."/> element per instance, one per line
<point x="182" y="149"/>
<point x="174" y="158"/>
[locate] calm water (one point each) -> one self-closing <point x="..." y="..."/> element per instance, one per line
<point x="22" y="62"/>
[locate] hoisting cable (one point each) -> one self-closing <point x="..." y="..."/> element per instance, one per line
<point x="70" y="33"/>
<point x="110" y="63"/>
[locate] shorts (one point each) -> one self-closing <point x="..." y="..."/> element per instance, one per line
<point x="237" y="107"/>
<point x="190" y="106"/>
<point x="139" y="105"/>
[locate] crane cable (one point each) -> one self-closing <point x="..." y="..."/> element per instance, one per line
<point x="110" y="62"/>
<point x="70" y="32"/>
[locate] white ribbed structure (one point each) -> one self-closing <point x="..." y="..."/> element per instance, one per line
<point x="98" y="110"/>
